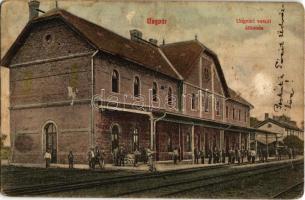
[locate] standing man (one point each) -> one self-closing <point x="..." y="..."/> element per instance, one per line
<point x="137" y="154"/>
<point x="71" y="160"/>
<point x="116" y="156"/>
<point x="202" y="156"/>
<point x="122" y="156"/>
<point x="253" y="155"/>
<point x="97" y="156"/>
<point x="196" y="156"/>
<point x="223" y="156"/>
<point x="91" y="159"/>
<point x="47" y="157"/>
<point x="210" y="156"/>
<point x="175" y="155"/>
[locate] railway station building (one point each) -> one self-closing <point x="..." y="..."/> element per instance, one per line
<point x="76" y="85"/>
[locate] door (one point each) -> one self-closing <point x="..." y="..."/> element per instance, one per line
<point x="51" y="141"/>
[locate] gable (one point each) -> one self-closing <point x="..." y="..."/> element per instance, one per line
<point x="47" y="40"/>
<point x="143" y="53"/>
<point x="185" y="56"/>
<point x="269" y="126"/>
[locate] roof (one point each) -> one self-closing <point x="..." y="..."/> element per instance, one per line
<point x="174" y="60"/>
<point x="236" y="97"/>
<point x="145" y="54"/>
<point x="184" y="54"/>
<point x="279" y="123"/>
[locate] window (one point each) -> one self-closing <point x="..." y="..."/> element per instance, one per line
<point x="136" y="87"/>
<point x="51" y="141"/>
<point x="135" y="139"/>
<point x="217" y="107"/>
<point x="155" y="91"/>
<point x="239" y="114"/>
<point x="115" y="81"/>
<point x="245" y="116"/>
<point x="193" y="103"/>
<point x="206" y="102"/>
<point x="169" y="143"/>
<point x="227" y="111"/>
<point x="206" y="74"/>
<point x="233" y="113"/>
<point x="114" y="137"/>
<point x="188" y="142"/>
<point x="170" y="96"/>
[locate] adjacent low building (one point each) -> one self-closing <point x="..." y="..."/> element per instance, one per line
<point x="280" y="127"/>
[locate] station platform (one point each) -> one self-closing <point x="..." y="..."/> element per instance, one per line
<point x="161" y="166"/>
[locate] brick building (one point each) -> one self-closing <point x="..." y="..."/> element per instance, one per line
<point x="145" y="95"/>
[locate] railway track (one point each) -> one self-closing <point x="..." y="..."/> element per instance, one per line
<point x="187" y="185"/>
<point x="288" y="190"/>
<point x="60" y="187"/>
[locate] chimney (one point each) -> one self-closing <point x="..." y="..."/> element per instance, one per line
<point x="266" y="115"/>
<point x="135" y="35"/>
<point x="33" y="9"/>
<point x="153" y="41"/>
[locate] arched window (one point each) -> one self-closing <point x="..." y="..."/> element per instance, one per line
<point x="170" y="96"/>
<point x="136" y="87"/>
<point x="115" y="81"/>
<point x="188" y="142"/>
<point x="135" y="139"/>
<point x="114" y="137"/>
<point x="169" y="143"/>
<point x="155" y="91"/>
<point x="51" y="141"/>
<point x="193" y="103"/>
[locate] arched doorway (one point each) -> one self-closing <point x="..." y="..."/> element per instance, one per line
<point x="114" y="137"/>
<point x="51" y="140"/>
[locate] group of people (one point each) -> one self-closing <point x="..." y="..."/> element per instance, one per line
<point x="233" y="155"/>
<point x="291" y="152"/>
<point x="96" y="156"/>
<point x="119" y="155"/>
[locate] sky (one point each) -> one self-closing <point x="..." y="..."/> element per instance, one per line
<point x="247" y="57"/>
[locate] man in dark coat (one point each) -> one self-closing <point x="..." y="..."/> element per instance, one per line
<point x="223" y="156"/>
<point x="210" y="156"/>
<point x="70" y="159"/>
<point x="196" y="155"/>
<point x="122" y="156"/>
<point x="202" y="156"/>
